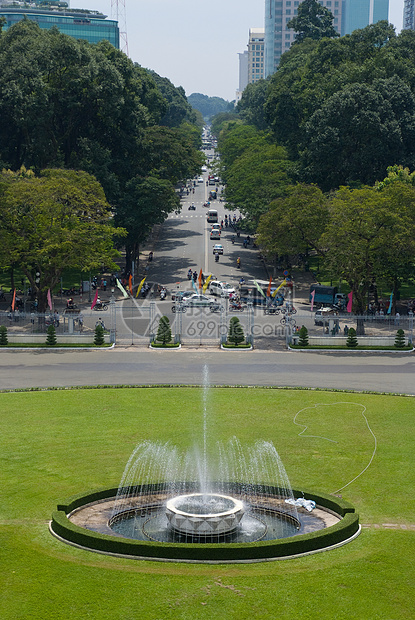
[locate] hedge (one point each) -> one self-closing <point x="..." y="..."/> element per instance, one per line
<point x="214" y="552"/>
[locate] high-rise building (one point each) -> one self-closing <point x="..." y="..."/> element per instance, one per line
<point x="409" y="15"/>
<point x="243" y="74"/>
<point x="278" y="38"/>
<point x="78" y="23"/>
<point x="361" y="13"/>
<point x="256" y="46"/>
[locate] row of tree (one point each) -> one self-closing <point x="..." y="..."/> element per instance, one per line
<point x="303" y="154"/>
<point x="67" y="104"/>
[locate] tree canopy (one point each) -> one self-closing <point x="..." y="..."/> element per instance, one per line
<point x="313" y="21"/>
<point x="58" y="220"/>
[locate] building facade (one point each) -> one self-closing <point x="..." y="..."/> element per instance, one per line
<point x="361" y="13"/>
<point x="409" y="15"/>
<point x="78" y="23"/>
<point x="278" y="38"/>
<point x="256" y="45"/>
<point x="243" y="74"/>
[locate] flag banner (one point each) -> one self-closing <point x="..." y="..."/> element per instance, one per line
<point x="14" y="299"/>
<point x="200" y="278"/>
<point x="390" y="304"/>
<point x="130" y="284"/>
<point x="206" y="284"/>
<point x="259" y="288"/>
<point x="194" y="285"/>
<point x="140" y="286"/>
<point x="312" y="300"/>
<point x="350" y="302"/>
<point x="283" y="283"/>
<point x="95" y="299"/>
<point x="122" y="289"/>
<point x="49" y="297"/>
<point x="269" y="287"/>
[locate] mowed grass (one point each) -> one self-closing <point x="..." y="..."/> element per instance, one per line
<point x="59" y="443"/>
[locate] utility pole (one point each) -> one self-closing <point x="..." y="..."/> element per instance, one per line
<point x="119" y="14"/>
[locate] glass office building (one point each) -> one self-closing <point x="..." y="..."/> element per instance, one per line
<point x="360" y="13"/>
<point x="279" y="38"/>
<point x="80" y="24"/>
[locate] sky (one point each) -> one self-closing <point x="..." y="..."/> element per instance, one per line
<point x="195" y="44"/>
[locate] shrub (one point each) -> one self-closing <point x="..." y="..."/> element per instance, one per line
<point x="3" y="336"/>
<point x="351" y="341"/>
<point x="303" y="333"/>
<point x="400" y="339"/>
<point x="236" y="333"/>
<point x="51" y="337"/>
<point x="99" y="335"/>
<point x="164" y="331"/>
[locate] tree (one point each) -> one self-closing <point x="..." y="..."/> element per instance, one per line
<point x="313" y="21"/>
<point x="53" y="222"/>
<point x="365" y="236"/>
<point x="351" y="341"/>
<point x="293" y="225"/>
<point x="303" y="339"/>
<point x="99" y="339"/>
<point x="3" y="336"/>
<point x="251" y="106"/>
<point x="51" y="337"/>
<point x="164" y="331"/>
<point x="358" y="132"/>
<point x="400" y="339"/>
<point x="235" y="333"/>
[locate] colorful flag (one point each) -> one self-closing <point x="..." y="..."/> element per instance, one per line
<point x="350" y="302"/>
<point x="259" y="288"/>
<point x="312" y="300"/>
<point x="49" y="300"/>
<point x="95" y="299"/>
<point x="14" y="299"/>
<point x="122" y="289"/>
<point x="269" y="287"/>
<point x="140" y="286"/>
<point x="199" y="280"/>
<point x="130" y="284"/>
<point x="206" y="284"/>
<point x="283" y="283"/>
<point x="194" y="285"/>
<point x="390" y="304"/>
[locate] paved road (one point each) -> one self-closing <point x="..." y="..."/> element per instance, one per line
<point x="133" y="365"/>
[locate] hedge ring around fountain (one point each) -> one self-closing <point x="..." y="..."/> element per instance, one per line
<point x="87" y="521"/>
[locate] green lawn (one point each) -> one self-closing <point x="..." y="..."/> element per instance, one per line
<point x="59" y="443"/>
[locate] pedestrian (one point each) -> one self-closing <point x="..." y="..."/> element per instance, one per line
<point x="56" y="318"/>
<point x="345" y="330"/>
<point x="195" y="276"/>
<point x="105" y="285"/>
<point x="397" y="318"/>
<point x="100" y="322"/>
<point x="81" y="321"/>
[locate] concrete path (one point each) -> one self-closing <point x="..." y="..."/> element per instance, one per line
<point x="134" y="365"/>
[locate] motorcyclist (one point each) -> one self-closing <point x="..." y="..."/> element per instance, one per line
<point x="216" y="258"/>
<point x="238" y="262"/>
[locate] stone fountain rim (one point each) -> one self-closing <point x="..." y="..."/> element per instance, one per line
<point x="237" y="505"/>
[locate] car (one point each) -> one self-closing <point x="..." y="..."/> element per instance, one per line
<point x="218" y="248"/>
<point x="216" y="227"/>
<point x="200" y="180"/>
<point x="323" y="315"/>
<point x="192" y="208"/>
<point x="221" y="288"/>
<point x="198" y="301"/>
<point x="180" y="295"/>
<point x="215" y="234"/>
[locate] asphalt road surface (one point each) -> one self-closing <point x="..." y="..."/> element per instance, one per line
<point x="140" y="366"/>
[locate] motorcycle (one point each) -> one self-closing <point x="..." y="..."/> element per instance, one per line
<point x="236" y="306"/>
<point x="163" y="294"/>
<point x="216" y="258"/>
<point x="101" y="306"/>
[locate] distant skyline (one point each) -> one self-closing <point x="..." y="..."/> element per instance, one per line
<point x="195" y="44"/>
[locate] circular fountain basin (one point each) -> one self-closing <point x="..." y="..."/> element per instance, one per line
<point x="204" y="514"/>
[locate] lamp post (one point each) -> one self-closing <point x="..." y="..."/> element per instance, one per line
<point x="113" y="318"/>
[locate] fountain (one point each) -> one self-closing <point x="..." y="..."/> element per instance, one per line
<point x="193" y="505"/>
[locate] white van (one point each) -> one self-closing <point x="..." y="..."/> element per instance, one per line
<point x="212" y="215"/>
